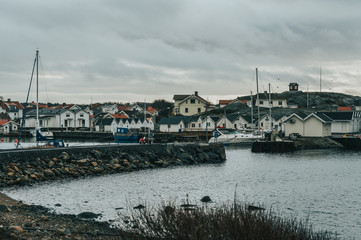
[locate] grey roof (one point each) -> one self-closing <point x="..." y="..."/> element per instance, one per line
<point x="171" y="120"/>
<point x="339" y="116"/>
<point x="47" y="112"/>
<point x="104" y="121"/>
<point x="180" y="97"/>
<point x="232" y="117"/>
<point x="324" y="117"/>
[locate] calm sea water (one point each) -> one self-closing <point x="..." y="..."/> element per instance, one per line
<point x="323" y="187"/>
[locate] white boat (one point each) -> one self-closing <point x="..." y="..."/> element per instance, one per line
<point x="43" y="131"/>
<point x="226" y="135"/>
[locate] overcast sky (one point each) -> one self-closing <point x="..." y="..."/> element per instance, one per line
<point x="136" y="50"/>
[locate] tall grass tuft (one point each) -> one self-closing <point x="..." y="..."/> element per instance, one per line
<point x="233" y="221"/>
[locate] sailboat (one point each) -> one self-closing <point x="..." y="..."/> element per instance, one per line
<point x="232" y="136"/>
<point x="41" y="134"/>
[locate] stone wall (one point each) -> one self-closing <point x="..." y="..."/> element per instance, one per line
<point x="24" y="167"/>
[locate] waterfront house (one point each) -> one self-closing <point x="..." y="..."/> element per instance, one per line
<point x="8" y="126"/>
<point x="188" y="105"/>
<point x="209" y="123"/>
<point x="273" y="122"/>
<point x="171" y="124"/>
<point x="135" y="123"/>
<point x="226" y="121"/>
<point x="311" y="125"/>
<point x="58" y="118"/>
<point x="106" y="125"/>
<point x="192" y="123"/>
<point x="294" y="124"/>
<point x="345" y="122"/>
<point x="317" y="125"/>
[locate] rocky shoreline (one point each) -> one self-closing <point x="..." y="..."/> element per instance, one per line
<point x="28" y="167"/>
<point x="20" y="221"/>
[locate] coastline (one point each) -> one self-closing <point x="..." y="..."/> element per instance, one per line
<point x="22" y="221"/>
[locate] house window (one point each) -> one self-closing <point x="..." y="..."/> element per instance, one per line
<point x="193" y="125"/>
<point x="245" y="125"/>
<point x="260" y="102"/>
<point x="235" y="125"/>
<point x="186" y="110"/>
<point x="208" y="124"/>
<point x="193" y="101"/>
<point x="199" y="101"/>
<point x="261" y="124"/>
<point x="186" y="101"/>
<point x="271" y="102"/>
<point x="81" y="115"/>
<point x="67" y="115"/>
<point x="279" y="102"/>
<point x="199" y="110"/>
<point x="199" y="125"/>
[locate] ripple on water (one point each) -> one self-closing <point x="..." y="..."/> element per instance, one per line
<point x="320" y="186"/>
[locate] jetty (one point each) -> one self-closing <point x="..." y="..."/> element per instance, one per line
<point x="27" y="166"/>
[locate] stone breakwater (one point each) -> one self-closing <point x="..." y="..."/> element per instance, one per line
<point x="25" y="167"/>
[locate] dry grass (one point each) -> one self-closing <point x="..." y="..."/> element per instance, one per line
<point x="233" y="221"/>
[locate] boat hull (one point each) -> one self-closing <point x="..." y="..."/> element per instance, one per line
<point x="125" y="139"/>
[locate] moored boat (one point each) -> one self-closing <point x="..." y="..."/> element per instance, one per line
<point x="227" y="135"/>
<point x="125" y="135"/>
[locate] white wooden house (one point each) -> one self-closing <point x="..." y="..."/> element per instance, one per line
<point x="109" y="108"/>
<point x="209" y="123"/>
<point x="345" y="122"/>
<point x="317" y="125"/>
<point x="58" y="118"/>
<point x="225" y="122"/>
<point x="7" y="127"/>
<point x="312" y="125"/>
<point x="172" y="124"/>
<point x="13" y="108"/>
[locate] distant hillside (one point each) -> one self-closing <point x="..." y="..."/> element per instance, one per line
<point x="317" y="101"/>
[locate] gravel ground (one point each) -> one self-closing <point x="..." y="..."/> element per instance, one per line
<point x="20" y="221"/>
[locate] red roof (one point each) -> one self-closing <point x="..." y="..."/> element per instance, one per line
<point x="225" y="102"/>
<point x="123" y="108"/>
<point x="341" y="109"/>
<point x="119" y="115"/>
<point x="151" y="110"/>
<point x="2" y="122"/>
<point x="5" y="105"/>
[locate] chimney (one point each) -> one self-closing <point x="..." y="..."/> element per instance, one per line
<point x="196" y="93"/>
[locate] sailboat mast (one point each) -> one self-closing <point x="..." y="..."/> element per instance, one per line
<point x="37" y="90"/>
<point x="251" y="110"/>
<point x="270" y="106"/>
<point x="257" y="98"/>
<point x="320" y="79"/>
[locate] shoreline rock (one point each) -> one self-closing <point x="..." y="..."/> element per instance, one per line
<point x="29" y="167"/>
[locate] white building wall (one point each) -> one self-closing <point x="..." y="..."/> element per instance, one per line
<point x="296" y="127"/>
